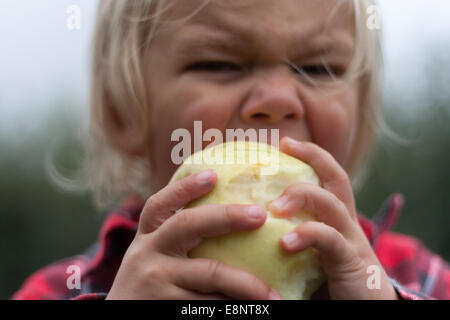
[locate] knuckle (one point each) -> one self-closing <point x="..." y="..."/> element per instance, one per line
<point x="152" y="273"/>
<point x="357" y="264"/>
<point x="234" y="216"/>
<point x="335" y="235"/>
<point x="185" y="218"/>
<point x="133" y="254"/>
<point x="338" y="244"/>
<point x="152" y="207"/>
<point x="188" y="223"/>
<point x="155" y="203"/>
<point x="308" y="226"/>
<point x="140" y="249"/>
<point x="336" y="240"/>
<point x="155" y="275"/>
<point x="293" y="189"/>
<point x="300" y="193"/>
<point x="151" y="203"/>
<point x="215" y="269"/>
<point x="309" y="202"/>
<point x="304" y="199"/>
<point x="182" y="188"/>
<point x="160" y="269"/>
<point x="228" y="216"/>
<point x="136" y="256"/>
<point x="353" y="265"/>
<point x="337" y="203"/>
<point x="297" y="190"/>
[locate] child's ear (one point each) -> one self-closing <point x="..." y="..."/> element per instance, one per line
<point x="124" y="137"/>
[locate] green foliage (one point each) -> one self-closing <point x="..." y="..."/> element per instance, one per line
<point x="420" y="171"/>
<point x="39" y="223"/>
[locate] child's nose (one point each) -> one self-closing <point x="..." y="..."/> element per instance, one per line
<point x="272" y="100"/>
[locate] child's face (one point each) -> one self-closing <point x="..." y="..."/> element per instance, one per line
<point x="257" y="37"/>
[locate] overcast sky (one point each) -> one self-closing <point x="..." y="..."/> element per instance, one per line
<point x="41" y="60"/>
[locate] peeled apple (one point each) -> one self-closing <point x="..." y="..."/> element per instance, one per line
<point x="257" y="173"/>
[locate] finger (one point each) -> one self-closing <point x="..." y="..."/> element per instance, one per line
<point x="332" y="176"/>
<point x="191" y="295"/>
<point x="186" y="229"/>
<point x="335" y="252"/>
<point x="207" y="275"/>
<point x="163" y="204"/>
<point x="185" y="294"/>
<point x="324" y="205"/>
<point x="174" y="292"/>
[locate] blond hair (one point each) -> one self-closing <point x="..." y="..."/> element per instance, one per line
<point x="123" y="33"/>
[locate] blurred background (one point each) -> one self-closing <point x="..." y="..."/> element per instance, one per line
<point x="44" y="80"/>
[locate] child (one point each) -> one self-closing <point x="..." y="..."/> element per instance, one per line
<point x="309" y="68"/>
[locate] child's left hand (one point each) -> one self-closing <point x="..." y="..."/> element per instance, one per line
<point x="344" y="249"/>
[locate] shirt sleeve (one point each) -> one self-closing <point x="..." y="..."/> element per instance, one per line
<point x="416" y="272"/>
<point x="51" y="283"/>
<point x="407" y="294"/>
<point x="91" y="296"/>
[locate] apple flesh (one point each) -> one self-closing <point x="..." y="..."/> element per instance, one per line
<point x="257" y="173"/>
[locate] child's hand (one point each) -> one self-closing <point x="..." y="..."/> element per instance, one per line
<point x="156" y="265"/>
<point x="344" y="249"/>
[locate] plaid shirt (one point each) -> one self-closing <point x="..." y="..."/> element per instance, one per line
<point x="416" y="273"/>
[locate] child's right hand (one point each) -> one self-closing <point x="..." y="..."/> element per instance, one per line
<point x="156" y="265"/>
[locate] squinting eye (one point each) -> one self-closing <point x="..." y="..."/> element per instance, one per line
<point x="213" y="66"/>
<point x="318" y="71"/>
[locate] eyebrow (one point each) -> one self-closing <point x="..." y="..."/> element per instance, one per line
<point x="235" y="45"/>
<point x="237" y="40"/>
<point x="228" y="44"/>
<point x="329" y="45"/>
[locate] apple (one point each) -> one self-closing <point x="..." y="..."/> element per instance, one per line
<point x="257" y="173"/>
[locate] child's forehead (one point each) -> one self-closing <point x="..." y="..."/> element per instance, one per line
<point x="249" y="20"/>
<point x="262" y="11"/>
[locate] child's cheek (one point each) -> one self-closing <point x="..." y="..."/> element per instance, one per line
<point x="180" y="108"/>
<point x="212" y="105"/>
<point x="332" y="128"/>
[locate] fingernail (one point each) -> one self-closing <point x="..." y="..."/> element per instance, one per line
<point x="255" y="212"/>
<point x="274" y="296"/>
<point x="291" y="239"/>
<point x="279" y="203"/>
<point x="204" y="177"/>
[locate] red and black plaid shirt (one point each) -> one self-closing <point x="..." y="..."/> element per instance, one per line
<point x="416" y="273"/>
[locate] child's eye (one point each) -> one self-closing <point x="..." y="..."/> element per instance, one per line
<point x="318" y="71"/>
<point x="214" y="66"/>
